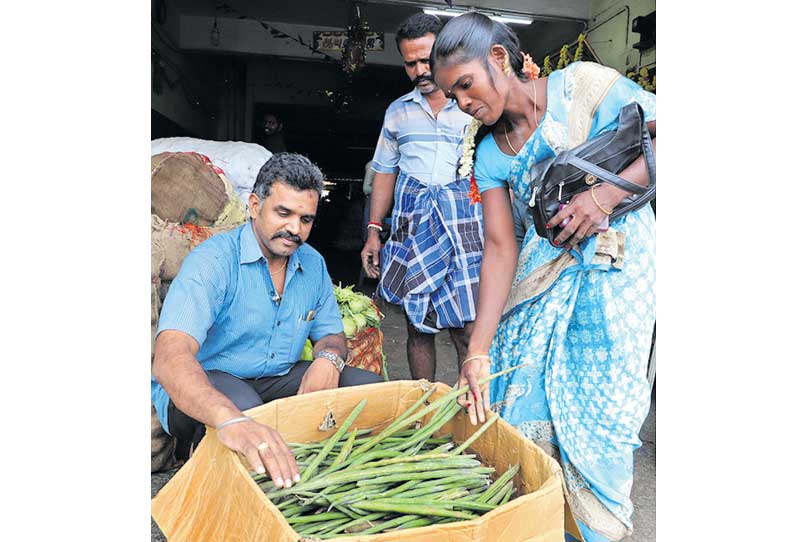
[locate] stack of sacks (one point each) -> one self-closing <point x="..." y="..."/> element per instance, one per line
<point x="171" y="243"/>
<point x="188" y="187"/>
<point x="239" y="160"/>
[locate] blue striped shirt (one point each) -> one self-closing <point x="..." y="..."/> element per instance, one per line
<point x="223" y="298"/>
<point x="420" y="145"/>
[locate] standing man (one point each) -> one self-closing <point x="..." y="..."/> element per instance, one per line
<point x="273" y="140"/>
<point x="431" y="262"/>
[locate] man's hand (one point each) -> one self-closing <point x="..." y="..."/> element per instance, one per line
<point x="370" y="255"/>
<point x="264" y="449"/>
<point x="321" y="375"/>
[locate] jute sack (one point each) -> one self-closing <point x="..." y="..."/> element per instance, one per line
<point x="171" y="243"/>
<point x="162" y="443"/>
<point x="163" y="446"/>
<point x="186" y="187"/>
<point x="156" y="306"/>
<point x="164" y="285"/>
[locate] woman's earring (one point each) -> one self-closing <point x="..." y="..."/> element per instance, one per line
<point x="506" y="66"/>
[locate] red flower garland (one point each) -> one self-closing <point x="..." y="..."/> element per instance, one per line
<point x="474" y="190"/>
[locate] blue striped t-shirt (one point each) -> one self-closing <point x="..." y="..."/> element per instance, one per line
<point x="418" y="144"/>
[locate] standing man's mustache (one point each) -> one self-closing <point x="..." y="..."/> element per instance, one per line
<point x="422" y="78"/>
<point x="287" y="235"/>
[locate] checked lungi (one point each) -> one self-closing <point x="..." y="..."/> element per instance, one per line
<point x="431" y="262"/>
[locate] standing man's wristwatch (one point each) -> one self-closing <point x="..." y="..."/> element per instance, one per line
<point x="338" y="362"/>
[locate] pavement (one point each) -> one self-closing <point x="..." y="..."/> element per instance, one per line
<point x="643" y="492"/>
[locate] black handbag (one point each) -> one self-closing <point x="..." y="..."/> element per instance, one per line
<point x="576" y="170"/>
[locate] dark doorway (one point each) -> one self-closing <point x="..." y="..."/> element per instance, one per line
<point x="164" y="127"/>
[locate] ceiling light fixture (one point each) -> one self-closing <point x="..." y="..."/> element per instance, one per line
<point x="510" y="19"/>
<point x="506" y="19"/>
<point x="443" y="12"/>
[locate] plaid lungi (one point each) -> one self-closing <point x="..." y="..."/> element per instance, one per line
<point x="431" y="262"/>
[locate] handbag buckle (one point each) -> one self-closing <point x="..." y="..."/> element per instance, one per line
<point x="590" y="179"/>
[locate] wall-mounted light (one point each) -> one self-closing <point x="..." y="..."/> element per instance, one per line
<point x="215" y="35"/>
<point x="506" y="19"/>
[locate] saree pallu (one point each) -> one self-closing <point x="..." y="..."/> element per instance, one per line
<point x="584" y="321"/>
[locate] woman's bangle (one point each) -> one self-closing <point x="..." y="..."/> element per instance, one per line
<point x="376" y="225"/>
<point x="478" y="356"/>
<point x="231" y="422"/>
<point x="592" y="193"/>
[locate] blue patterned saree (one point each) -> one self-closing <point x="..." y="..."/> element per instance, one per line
<point x="582" y="320"/>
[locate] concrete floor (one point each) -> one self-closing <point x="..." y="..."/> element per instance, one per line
<point x="644" y="490"/>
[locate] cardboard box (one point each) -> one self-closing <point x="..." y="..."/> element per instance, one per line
<point x="214" y="499"/>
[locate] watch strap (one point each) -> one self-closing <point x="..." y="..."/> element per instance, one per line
<point x="337" y="360"/>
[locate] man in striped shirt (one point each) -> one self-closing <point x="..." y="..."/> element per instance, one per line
<point x="430" y="264"/>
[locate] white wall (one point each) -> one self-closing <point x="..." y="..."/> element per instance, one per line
<point x="609" y="20"/>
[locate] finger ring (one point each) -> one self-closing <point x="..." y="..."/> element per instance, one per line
<point x="262" y="446"/>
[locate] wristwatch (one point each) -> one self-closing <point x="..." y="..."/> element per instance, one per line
<point x="338" y="362"/>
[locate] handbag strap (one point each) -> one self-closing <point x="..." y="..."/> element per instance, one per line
<point x="623" y="184"/>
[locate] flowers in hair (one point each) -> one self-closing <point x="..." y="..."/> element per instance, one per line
<point x="466" y="168"/>
<point x="467" y="158"/>
<point x="530" y="69"/>
<point x="474" y="190"/>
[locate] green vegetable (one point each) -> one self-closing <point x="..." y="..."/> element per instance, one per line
<point x="361" y="322"/>
<point x="350" y="326"/>
<point x="358" y="304"/>
<point x="371" y="315"/>
<point x="399" y="478"/>
<point x="312" y="468"/>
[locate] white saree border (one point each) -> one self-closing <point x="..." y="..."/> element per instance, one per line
<point x="591" y="84"/>
<point x="584" y="505"/>
<point x="609" y="250"/>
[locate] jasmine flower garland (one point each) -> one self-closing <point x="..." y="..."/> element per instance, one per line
<point x="467" y="158"/>
<point x="466" y="168"/>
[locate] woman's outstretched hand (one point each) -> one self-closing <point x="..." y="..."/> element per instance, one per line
<point x="477" y="400"/>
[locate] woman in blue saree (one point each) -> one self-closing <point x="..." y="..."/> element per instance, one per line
<point x="580" y="310"/>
